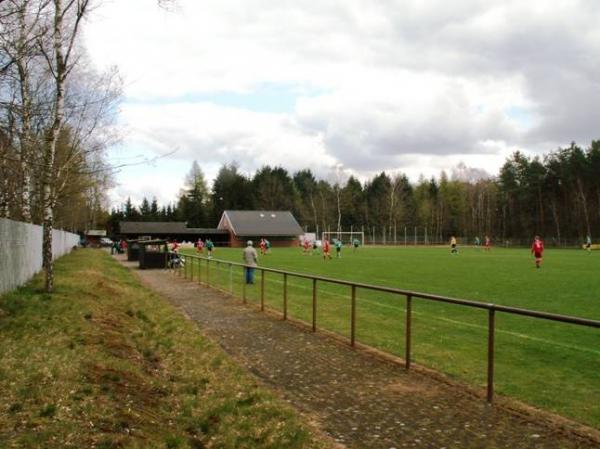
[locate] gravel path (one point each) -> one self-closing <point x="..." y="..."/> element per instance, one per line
<point x="360" y="400"/>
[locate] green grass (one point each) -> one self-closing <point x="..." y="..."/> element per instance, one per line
<point x="105" y="363"/>
<point x="550" y="365"/>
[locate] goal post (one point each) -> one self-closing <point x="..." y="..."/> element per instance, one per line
<point x="346" y="237"/>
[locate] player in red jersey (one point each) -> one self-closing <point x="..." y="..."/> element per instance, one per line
<point x="306" y="246"/>
<point x="263" y="247"/>
<point x="488" y="243"/>
<point x="537" y="249"/>
<point x="326" y="249"/>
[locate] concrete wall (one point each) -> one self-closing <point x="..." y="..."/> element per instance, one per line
<point x="21" y="251"/>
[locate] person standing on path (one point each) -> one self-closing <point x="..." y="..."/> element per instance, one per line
<point x="537" y="248"/>
<point x="251" y="260"/>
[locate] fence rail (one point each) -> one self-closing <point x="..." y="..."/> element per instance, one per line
<point x="409" y="296"/>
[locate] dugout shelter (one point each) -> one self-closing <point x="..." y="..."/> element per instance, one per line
<point x="170" y="230"/>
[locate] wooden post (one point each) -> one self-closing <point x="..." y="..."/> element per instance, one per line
<point x="285" y="292"/>
<point x="262" y="290"/>
<point x="353" y="318"/>
<point x="491" y="332"/>
<point x="314" y="306"/>
<point x="208" y="272"/>
<point x="244" y="285"/>
<point x="199" y="271"/>
<point x="407" y="348"/>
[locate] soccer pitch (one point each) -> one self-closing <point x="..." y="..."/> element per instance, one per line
<point x="551" y="365"/>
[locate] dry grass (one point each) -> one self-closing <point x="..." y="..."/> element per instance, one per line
<point x="105" y="363"/>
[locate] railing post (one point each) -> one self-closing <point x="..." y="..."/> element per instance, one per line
<point x="491" y="332"/>
<point x="191" y="268"/>
<point x="244" y="285"/>
<point x="184" y="267"/>
<point x="216" y="274"/>
<point x="353" y="318"/>
<point x="262" y="290"/>
<point x="208" y="272"/>
<point x="285" y="296"/>
<point x="314" y="306"/>
<point x="199" y="271"/>
<point x="408" y="343"/>
<point x="230" y="278"/>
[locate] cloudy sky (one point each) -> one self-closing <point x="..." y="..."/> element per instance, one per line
<point x="416" y="86"/>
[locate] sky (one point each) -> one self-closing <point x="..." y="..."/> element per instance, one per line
<point x="344" y="87"/>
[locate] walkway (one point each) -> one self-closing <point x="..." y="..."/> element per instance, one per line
<point x="360" y="400"/>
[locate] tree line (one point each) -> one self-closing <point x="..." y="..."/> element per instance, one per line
<point x="556" y="195"/>
<point x="56" y="117"/>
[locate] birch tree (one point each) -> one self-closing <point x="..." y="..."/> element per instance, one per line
<point x="66" y="18"/>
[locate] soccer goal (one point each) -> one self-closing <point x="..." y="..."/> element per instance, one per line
<point x="346" y="237"/>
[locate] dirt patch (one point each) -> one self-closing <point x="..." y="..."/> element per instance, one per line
<point x="406" y="388"/>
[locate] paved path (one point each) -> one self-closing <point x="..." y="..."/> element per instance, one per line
<point x="360" y="400"/>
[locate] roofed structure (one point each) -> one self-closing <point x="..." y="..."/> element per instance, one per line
<point x="280" y="227"/>
<point x="170" y="229"/>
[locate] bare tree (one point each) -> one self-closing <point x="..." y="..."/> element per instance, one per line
<point x="22" y="28"/>
<point x="66" y="21"/>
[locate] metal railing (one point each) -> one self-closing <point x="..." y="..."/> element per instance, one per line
<point x="188" y="271"/>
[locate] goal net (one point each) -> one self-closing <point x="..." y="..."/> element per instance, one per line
<point x="346" y="237"/>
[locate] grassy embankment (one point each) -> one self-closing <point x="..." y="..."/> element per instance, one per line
<point x="105" y="363"/>
<point x="551" y="365"/>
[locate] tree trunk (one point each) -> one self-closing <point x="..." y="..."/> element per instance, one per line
<point x="312" y="204"/>
<point x="339" y="211"/>
<point x="48" y="201"/>
<point x="4" y="210"/>
<point x="584" y="205"/>
<point x="25" y="137"/>
<point x="556" y="222"/>
<point x="542" y="219"/>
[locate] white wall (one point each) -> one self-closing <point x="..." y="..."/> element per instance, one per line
<point x="21" y="251"/>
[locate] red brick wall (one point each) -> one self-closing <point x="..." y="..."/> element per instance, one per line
<point x="236" y="242"/>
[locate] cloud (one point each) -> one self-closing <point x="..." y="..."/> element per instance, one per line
<point x="394" y="85"/>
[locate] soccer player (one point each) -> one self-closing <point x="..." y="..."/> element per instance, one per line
<point x="338" y="248"/>
<point x="477" y="241"/>
<point x="209" y="247"/>
<point x="199" y="245"/>
<point x="175" y="246"/>
<point x="263" y="247"/>
<point x="488" y="243"/>
<point x="355" y="243"/>
<point x="537" y="249"/>
<point x="454" y="249"/>
<point x="326" y="250"/>
<point x="268" y="245"/>
<point x="588" y="243"/>
<point x="306" y="246"/>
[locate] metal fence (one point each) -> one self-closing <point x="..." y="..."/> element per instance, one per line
<point x="198" y="268"/>
<point x="21" y="251"/>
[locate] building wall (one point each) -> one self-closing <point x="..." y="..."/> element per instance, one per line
<point x="21" y="251"/>
<point x="276" y="242"/>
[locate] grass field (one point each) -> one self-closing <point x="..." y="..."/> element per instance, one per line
<point x="550" y="365"/>
<point x="105" y="363"/>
